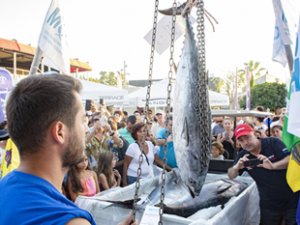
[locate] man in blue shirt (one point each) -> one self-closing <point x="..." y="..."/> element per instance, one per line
<point x="165" y="140"/>
<point x="46" y="122"/>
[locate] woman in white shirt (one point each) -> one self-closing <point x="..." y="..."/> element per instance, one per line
<point x="131" y="162"/>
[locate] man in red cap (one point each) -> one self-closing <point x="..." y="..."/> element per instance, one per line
<point x="266" y="161"/>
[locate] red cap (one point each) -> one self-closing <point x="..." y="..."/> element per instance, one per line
<point x="243" y="129"/>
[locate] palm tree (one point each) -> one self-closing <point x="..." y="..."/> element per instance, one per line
<point x="254" y="69"/>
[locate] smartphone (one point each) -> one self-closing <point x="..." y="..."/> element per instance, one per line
<point x="88" y="105"/>
<point x="101" y="101"/>
<point x="252" y="162"/>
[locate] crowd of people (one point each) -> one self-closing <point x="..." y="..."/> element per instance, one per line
<point x="223" y="131"/>
<point x="66" y="149"/>
<point x="47" y="122"/>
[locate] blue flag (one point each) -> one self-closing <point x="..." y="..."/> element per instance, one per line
<point x="6" y="84"/>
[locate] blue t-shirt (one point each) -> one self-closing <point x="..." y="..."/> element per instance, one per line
<point x="170" y="157"/>
<point x="28" y="199"/>
<point x="298" y="213"/>
<point x="274" y="192"/>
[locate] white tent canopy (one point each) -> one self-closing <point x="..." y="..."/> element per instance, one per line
<point x="96" y="91"/>
<point x="158" y="96"/>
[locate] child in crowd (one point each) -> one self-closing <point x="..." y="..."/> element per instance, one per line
<point x="217" y="150"/>
<point x="226" y="138"/>
<point x="81" y="180"/>
<point x="108" y="176"/>
<point x="276" y="131"/>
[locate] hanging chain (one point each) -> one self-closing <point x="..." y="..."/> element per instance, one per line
<point x="171" y="60"/>
<point x="139" y="170"/>
<point x="203" y="79"/>
<point x="168" y="111"/>
<point x="201" y="35"/>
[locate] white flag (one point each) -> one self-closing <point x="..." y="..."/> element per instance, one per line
<point x="52" y="40"/>
<point x="294" y="101"/>
<point x="281" y="34"/>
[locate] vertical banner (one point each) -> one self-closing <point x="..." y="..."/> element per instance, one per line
<point x="282" y="39"/>
<point x="6" y="84"/>
<point x="52" y="40"/>
<point x="248" y="78"/>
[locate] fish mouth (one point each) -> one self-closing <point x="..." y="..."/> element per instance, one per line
<point x="169" y="11"/>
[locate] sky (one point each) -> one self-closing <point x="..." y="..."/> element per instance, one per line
<point x="107" y="33"/>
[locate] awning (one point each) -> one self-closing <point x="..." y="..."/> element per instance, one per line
<point x="25" y="54"/>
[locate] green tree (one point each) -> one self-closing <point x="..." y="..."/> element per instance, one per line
<point x="215" y="83"/>
<point x="108" y="78"/>
<point x="269" y="95"/>
<point x="93" y="79"/>
<point x="255" y="71"/>
<point x="230" y="85"/>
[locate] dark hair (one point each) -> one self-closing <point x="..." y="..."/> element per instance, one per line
<point x="131" y="119"/>
<point x="73" y="175"/>
<point x="122" y="124"/>
<point x="3" y="124"/>
<point x="136" y="128"/>
<point x="105" y="167"/>
<point x="168" y="119"/>
<point x="125" y="113"/>
<point x="35" y="103"/>
<point x="260" y="119"/>
<point x="95" y="116"/>
<point x="278" y="126"/>
<point x="260" y="108"/>
<point x="156" y="115"/>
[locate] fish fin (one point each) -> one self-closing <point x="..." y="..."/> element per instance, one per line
<point x="223" y="188"/>
<point x="185" y="132"/>
<point x="126" y="203"/>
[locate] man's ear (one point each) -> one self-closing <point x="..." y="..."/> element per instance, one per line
<point x="58" y="132"/>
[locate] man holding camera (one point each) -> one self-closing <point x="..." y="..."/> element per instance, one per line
<point x="266" y="161"/>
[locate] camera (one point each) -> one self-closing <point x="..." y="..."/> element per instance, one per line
<point x="252" y="162"/>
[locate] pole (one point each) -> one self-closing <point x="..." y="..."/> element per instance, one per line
<point x="235" y="90"/>
<point x="36" y="61"/>
<point x="248" y="78"/>
<point x="124" y="68"/>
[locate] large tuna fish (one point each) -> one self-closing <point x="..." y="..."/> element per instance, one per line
<point x="212" y="194"/>
<point x="216" y="191"/>
<point x="191" y="116"/>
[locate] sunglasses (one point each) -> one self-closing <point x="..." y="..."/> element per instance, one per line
<point x="96" y="119"/>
